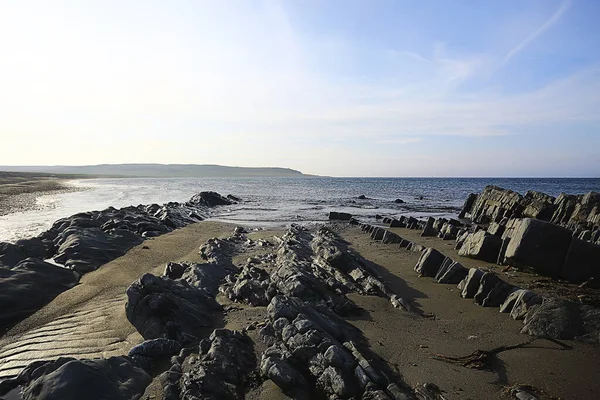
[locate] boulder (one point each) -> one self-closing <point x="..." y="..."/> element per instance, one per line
<point x="429" y="262"/>
<point x="470" y="284"/>
<point x="390" y="238"/>
<point x="377" y="233"/>
<point x="539" y="245"/>
<point x="150" y="353"/>
<point x="519" y="302"/>
<point x="481" y="246"/>
<point x="563" y="319"/>
<point x="395" y="223"/>
<point x="492" y="291"/>
<point x="160" y="307"/>
<point x="399" y="201"/>
<point x="209" y="199"/>
<point x="468" y="205"/>
<point x="10" y="254"/>
<point x="582" y="262"/>
<point x="429" y="230"/>
<point x="115" y="378"/>
<point x="341" y="216"/>
<point x="451" y="272"/>
<point x="30" y="285"/>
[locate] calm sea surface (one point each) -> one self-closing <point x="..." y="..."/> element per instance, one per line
<point x="280" y="201"/>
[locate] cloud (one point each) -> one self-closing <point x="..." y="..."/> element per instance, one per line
<point x="564" y="7"/>
<point x="400" y="141"/>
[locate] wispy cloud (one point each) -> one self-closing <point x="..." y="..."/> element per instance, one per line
<point x="564" y="7"/>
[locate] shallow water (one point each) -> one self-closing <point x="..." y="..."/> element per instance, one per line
<point x="279" y="201"/>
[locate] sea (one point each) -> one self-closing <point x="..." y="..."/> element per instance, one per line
<point x="280" y="201"/>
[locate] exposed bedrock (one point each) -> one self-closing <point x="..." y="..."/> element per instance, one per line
<point x="67" y="378"/>
<point x="221" y="367"/>
<point x="82" y="243"/>
<point x="314" y="353"/>
<point x="575" y="212"/>
<point x="28" y="286"/>
<point x="160" y="307"/>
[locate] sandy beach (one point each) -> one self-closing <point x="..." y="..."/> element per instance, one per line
<point x="19" y="190"/>
<point x="89" y="321"/>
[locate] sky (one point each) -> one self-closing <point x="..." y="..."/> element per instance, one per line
<point x="328" y="87"/>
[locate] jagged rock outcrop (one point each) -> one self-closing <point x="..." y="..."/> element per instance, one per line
<point x="315" y="353"/>
<point x="575" y="212"/>
<point x="220" y="368"/>
<point x="341" y="216"/>
<point x="160" y="307"/>
<point x="209" y="199"/>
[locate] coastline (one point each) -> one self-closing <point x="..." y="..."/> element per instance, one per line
<point x="19" y="192"/>
<point x="368" y="289"/>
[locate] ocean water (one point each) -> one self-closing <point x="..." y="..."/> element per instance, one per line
<point x="280" y="201"/>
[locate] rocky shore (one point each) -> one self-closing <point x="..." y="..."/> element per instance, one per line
<point x="346" y="310"/>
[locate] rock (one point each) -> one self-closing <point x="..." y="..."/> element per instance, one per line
<point x="86" y="250"/>
<point x="390" y="238"/>
<point x="233" y="198"/>
<point x="377" y="233"/>
<point x="563" y="319"/>
<point x="394" y="223"/>
<point x="399" y="201"/>
<point x="340" y="216"/>
<point x="451" y="272"/>
<point x="220" y="370"/>
<point x="519" y="302"/>
<point x="209" y="199"/>
<point x="460" y="240"/>
<point x="429" y="230"/>
<point x="481" y="246"/>
<point x="250" y="286"/>
<point x="429" y="262"/>
<point x="492" y="291"/>
<point x="496" y="229"/>
<point x="470" y="285"/>
<point x="98" y="379"/>
<point x="160" y="307"/>
<point x="468" y="205"/>
<point x="539" y="245"/>
<point x="30" y="285"/>
<point x="582" y="262"/>
<point x="362" y="197"/>
<point x="150" y="352"/>
<point x="33" y="247"/>
<point x="10" y="254"/>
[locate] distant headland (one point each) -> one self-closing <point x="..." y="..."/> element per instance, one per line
<point x="159" y="170"/>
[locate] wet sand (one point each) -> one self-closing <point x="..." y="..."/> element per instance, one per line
<point x="459" y="328"/>
<point x="19" y="191"/>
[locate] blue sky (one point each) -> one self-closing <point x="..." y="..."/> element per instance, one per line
<point x="342" y="88"/>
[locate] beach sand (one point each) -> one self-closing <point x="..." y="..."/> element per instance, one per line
<point x="19" y="191"/>
<point x="89" y="321"/>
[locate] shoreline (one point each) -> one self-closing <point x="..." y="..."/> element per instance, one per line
<point x="20" y="194"/>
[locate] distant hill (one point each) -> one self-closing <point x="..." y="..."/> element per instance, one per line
<point x="158" y="170"/>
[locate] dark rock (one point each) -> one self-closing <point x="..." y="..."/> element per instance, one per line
<point x="394" y="223"/>
<point x="429" y="229"/>
<point x="10" y="254"/>
<point x="251" y="286"/>
<point x="470" y="285"/>
<point x="233" y="198"/>
<point x="582" y="262"/>
<point x="539" y="245"/>
<point x="399" y="201"/>
<point x="377" y="233"/>
<point x="429" y="262"/>
<point x="33" y="247"/>
<point x="99" y="379"/>
<point x="362" y="197"/>
<point x="519" y="302"/>
<point x="86" y="250"/>
<point x="451" y="272"/>
<point x="150" y="352"/>
<point x="467" y="207"/>
<point x="390" y="238"/>
<point x="340" y="216"/>
<point x="492" y="291"/>
<point x="481" y="246"/>
<point x="563" y="319"/>
<point x="209" y="199"/>
<point x="220" y="370"/>
<point x="31" y="284"/>
<point x="165" y="308"/>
